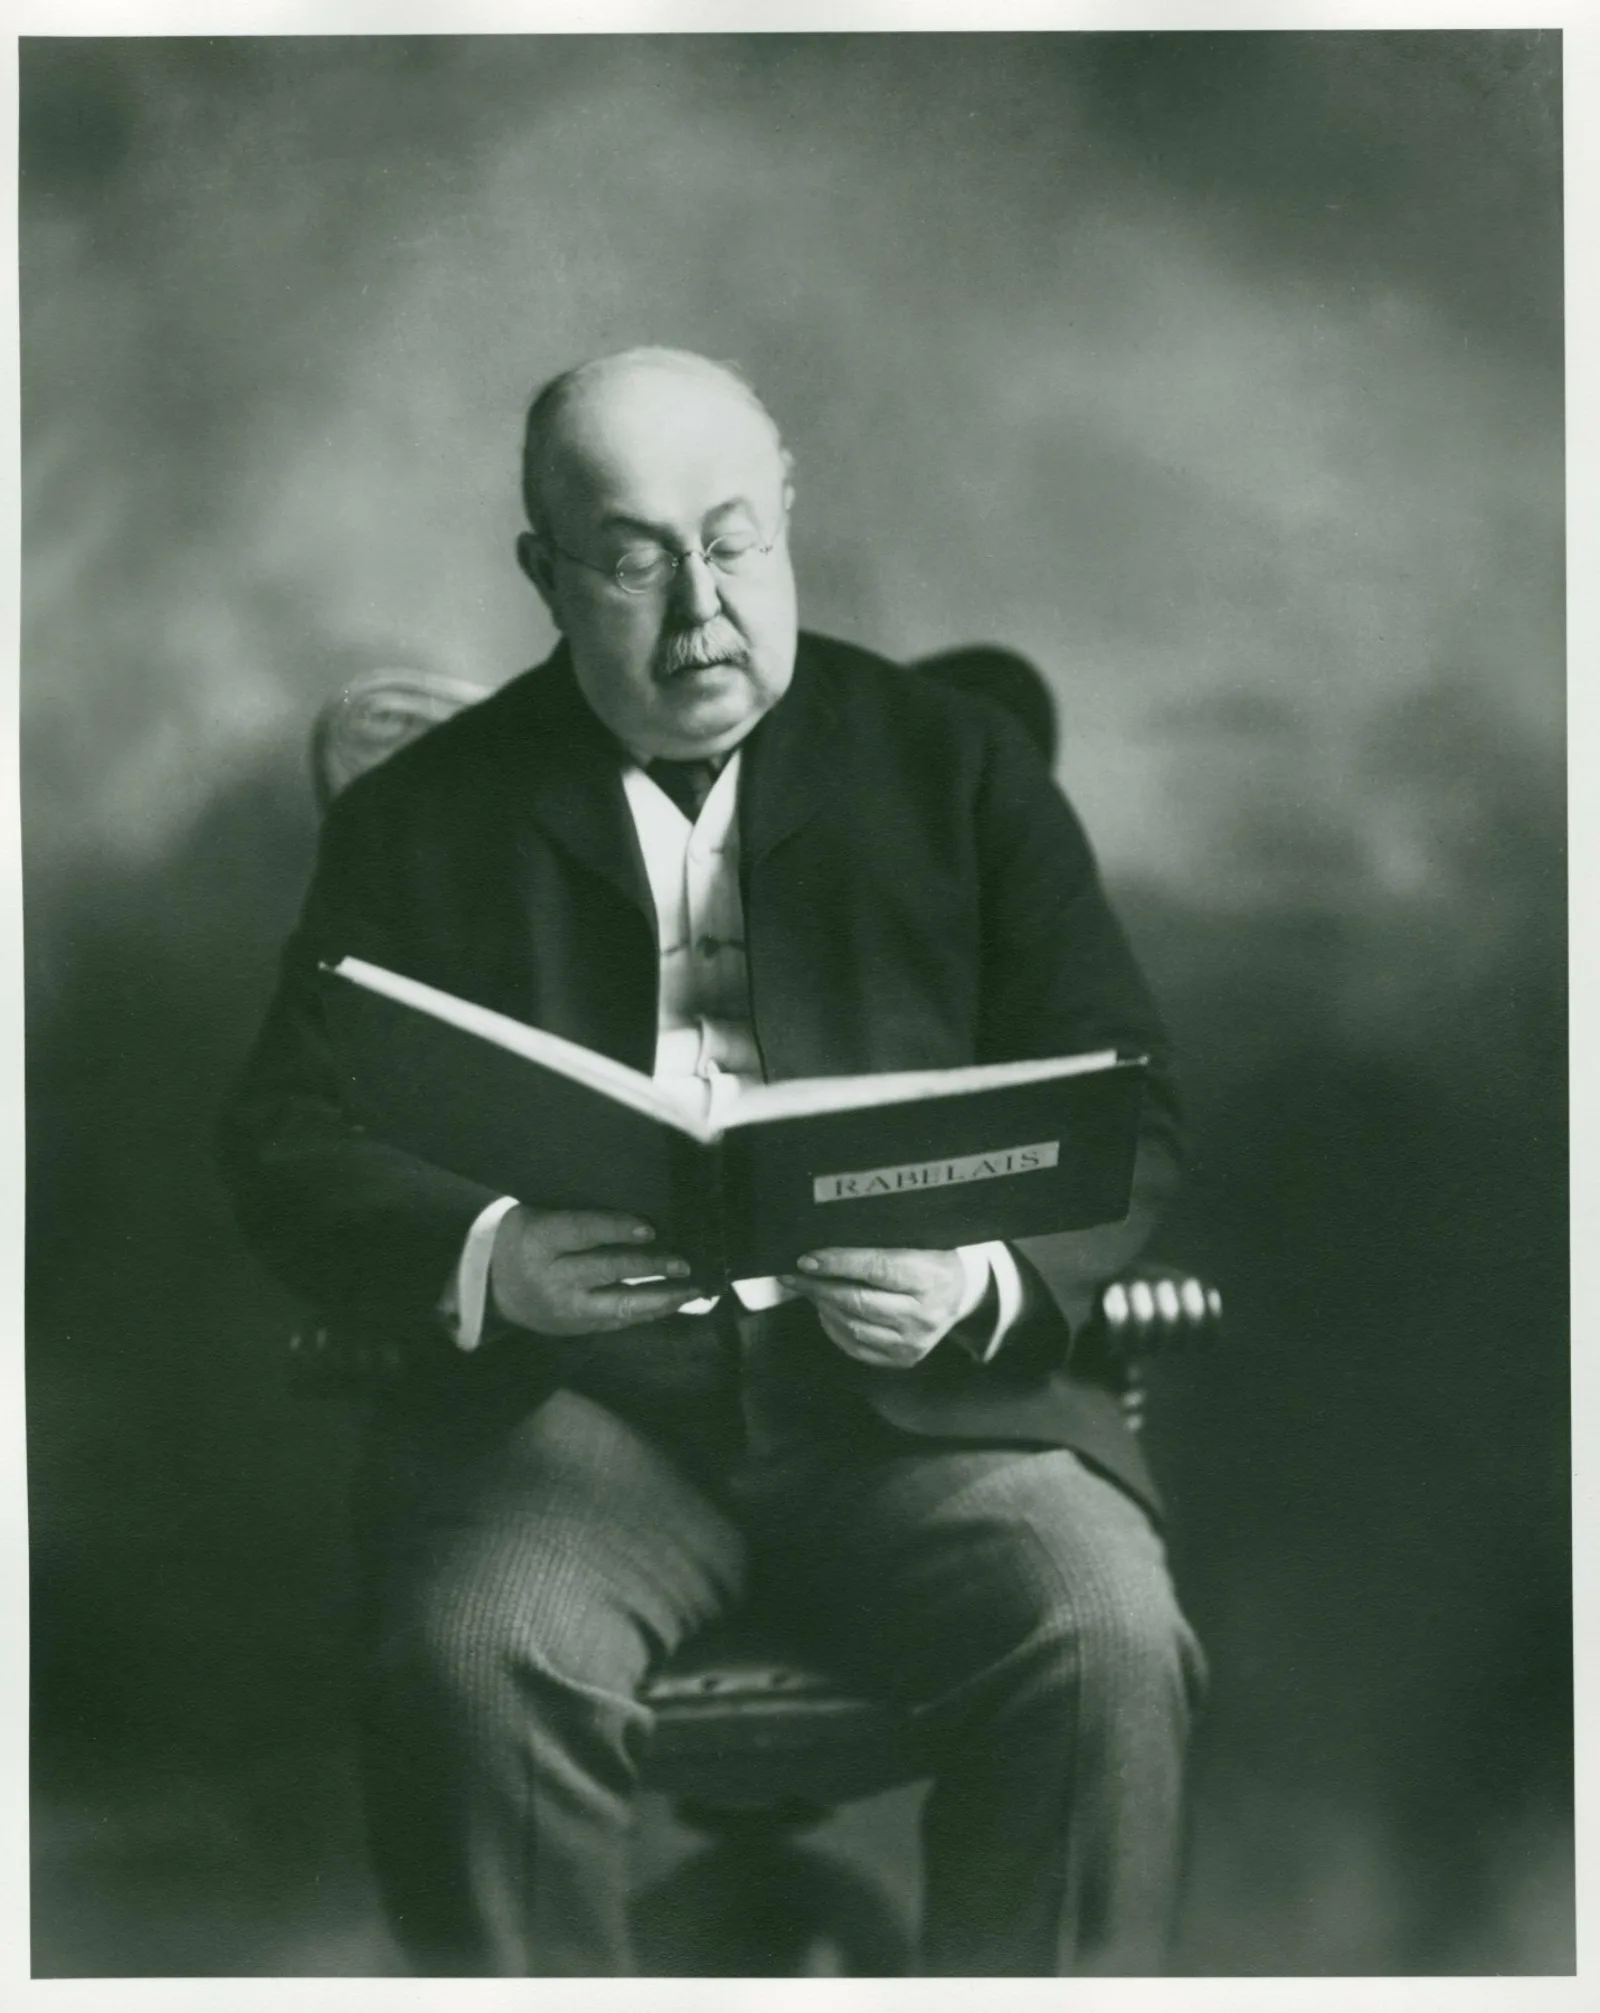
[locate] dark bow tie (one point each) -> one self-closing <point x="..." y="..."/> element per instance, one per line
<point x="688" y="784"/>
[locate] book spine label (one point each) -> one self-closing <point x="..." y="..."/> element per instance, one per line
<point x="1036" y="1158"/>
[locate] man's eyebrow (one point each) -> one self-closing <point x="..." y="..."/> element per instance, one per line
<point x="618" y="520"/>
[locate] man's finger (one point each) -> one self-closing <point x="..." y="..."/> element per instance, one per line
<point x="858" y="1303"/>
<point x="587" y="1270"/>
<point x="893" y="1355"/>
<point x="871" y="1344"/>
<point x="585" y="1229"/>
<point x="899" y="1271"/>
<point x="628" y="1306"/>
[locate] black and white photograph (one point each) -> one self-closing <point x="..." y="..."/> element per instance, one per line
<point x="794" y="887"/>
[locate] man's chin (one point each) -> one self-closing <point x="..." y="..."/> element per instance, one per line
<point x="707" y="710"/>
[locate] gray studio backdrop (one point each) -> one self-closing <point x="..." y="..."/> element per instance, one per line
<point x="1220" y="374"/>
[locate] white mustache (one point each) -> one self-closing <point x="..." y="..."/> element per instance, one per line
<point x="713" y="642"/>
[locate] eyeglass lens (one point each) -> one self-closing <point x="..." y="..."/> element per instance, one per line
<point x="637" y="571"/>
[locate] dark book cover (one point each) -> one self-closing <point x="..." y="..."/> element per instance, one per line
<point x="1018" y="1160"/>
<point x="559" y="1127"/>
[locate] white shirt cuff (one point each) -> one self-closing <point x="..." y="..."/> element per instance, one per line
<point x="983" y="1263"/>
<point x="465" y="1298"/>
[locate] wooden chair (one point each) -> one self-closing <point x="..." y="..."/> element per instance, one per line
<point x="752" y="1744"/>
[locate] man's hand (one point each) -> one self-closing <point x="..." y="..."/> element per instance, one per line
<point x="566" y="1272"/>
<point x="887" y="1308"/>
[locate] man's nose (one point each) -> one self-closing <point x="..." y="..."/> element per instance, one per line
<point x="695" y="588"/>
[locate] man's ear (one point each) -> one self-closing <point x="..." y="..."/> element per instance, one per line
<point x="533" y="556"/>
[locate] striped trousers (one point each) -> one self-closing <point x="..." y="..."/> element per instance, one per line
<point x="527" y="1560"/>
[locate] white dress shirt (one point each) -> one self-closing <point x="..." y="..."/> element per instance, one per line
<point x="705" y="1043"/>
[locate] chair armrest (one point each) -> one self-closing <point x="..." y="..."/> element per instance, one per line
<point x="1146" y="1312"/>
<point x="1156" y="1310"/>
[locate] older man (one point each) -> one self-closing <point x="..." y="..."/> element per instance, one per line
<point x="712" y="846"/>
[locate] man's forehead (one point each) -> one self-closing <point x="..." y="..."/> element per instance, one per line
<point x="652" y="445"/>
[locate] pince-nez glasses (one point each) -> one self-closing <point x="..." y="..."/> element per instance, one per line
<point x="646" y="568"/>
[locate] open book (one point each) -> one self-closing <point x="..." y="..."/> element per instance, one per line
<point x="926" y="1158"/>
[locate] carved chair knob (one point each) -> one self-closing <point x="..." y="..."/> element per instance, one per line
<point x="1147" y="1312"/>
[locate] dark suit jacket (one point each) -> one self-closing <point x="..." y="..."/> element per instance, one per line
<point x="917" y="894"/>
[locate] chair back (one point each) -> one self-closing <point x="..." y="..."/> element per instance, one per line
<point x="374" y="716"/>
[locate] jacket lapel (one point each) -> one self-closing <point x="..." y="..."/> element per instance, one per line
<point x="569" y="783"/>
<point x="787" y="773"/>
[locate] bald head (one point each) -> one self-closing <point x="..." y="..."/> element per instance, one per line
<point x="657" y="489"/>
<point x="560" y="419"/>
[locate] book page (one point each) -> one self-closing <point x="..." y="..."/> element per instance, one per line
<point x="804" y="1097"/>
<point x="602" y="1073"/>
<point x="753" y="1104"/>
